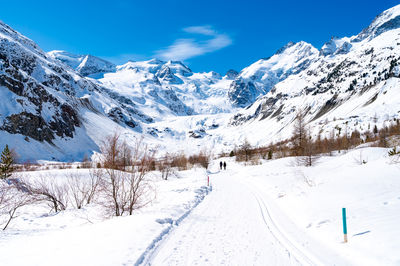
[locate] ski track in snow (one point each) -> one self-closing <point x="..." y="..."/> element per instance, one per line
<point x="293" y="249"/>
<point x="235" y="225"/>
<point x="152" y="248"/>
<point x="232" y="226"/>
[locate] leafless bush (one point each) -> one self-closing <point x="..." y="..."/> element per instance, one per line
<point x="46" y="189"/>
<point x="11" y="199"/>
<point x="125" y="191"/>
<point x="165" y="166"/>
<point x="180" y="161"/>
<point x="245" y="152"/>
<point x="201" y="159"/>
<point x="83" y="190"/>
<point x="85" y="162"/>
<point x="111" y="151"/>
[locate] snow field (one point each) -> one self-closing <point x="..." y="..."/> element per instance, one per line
<point x="276" y="213"/>
<point x="306" y="203"/>
<point x="88" y="237"/>
<point x="279" y="213"/>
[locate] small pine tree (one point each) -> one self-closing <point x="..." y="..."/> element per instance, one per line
<point x="7" y="160"/>
<point x="269" y="154"/>
<point x="375" y="130"/>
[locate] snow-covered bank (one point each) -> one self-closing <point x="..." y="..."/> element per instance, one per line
<point x="307" y="202"/>
<point x="86" y="237"/>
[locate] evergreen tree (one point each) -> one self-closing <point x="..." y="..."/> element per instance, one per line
<point x="7" y="160"/>
<point x="269" y="154"/>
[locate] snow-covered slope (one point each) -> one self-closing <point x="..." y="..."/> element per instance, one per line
<point x="46" y="106"/>
<point x="86" y="65"/>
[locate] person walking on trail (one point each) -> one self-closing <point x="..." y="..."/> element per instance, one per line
<point x="224" y="165"/>
<point x="220" y="165"/>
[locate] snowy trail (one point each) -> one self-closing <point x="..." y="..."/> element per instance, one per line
<point x="228" y="228"/>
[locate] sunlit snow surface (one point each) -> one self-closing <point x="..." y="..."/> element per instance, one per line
<point x="274" y="213"/>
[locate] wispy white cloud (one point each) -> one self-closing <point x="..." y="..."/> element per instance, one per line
<point x="183" y="49"/>
<point x="205" y="30"/>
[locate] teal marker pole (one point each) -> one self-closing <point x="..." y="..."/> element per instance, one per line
<point x="344" y="224"/>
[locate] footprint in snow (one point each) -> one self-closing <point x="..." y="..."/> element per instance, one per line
<point x="322" y="222"/>
<point x="385" y="203"/>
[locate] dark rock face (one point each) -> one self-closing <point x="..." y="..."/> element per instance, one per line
<point x="29" y="125"/>
<point x="242" y="93"/>
<point x="231" y="74"/>
<point x="165" y="74"/>
<point x="388" y="25"/>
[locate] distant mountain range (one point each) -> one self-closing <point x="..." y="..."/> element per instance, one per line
<point x="60" y="106"/>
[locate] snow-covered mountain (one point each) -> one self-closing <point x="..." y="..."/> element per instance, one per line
<point x="86" y="65"/>
<point x="61" y="105"/>
<point x="169" y="88"/>
<point x="352" y="80"/>
<point x="258" y="78"/>
<point x="50" y="111"/>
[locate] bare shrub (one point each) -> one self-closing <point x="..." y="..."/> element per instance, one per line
<point x="180" y="161"/>
<point x="85" y="164"/>
<point x="11" y="199"/>
<point x="165" y="166"/>
<point x="201" y="159"/>
<point x="126" y="155"/>
<point x="303" y="146"/>
<point x="83" y="190"/>
<point x="299" y="134"/>
<point x="125" y="191"/>
<point x="244" y="152"/>
<point x="48" y="190"/>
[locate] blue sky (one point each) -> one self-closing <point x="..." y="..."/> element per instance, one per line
<point x="206" y="35"/>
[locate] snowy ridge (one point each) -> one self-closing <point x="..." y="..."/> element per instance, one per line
<point x="86" y="65"/>
<point x="387" y="20"/>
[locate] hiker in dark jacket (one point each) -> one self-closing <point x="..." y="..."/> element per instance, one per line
<point x="220" y="165"/>
<point x="224" y="165"/>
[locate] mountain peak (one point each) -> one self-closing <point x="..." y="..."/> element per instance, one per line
<point x="286" y="46"/>
<point x="86" y="65"/>
<point x="336" y="46"/>
<point x="291" y="47"/>
<point x="387" y="20"/>
<point x="231" y="74"/>
<point x="179" y="68"/>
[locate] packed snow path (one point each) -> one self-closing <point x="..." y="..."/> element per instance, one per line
<point x="232" y="226"/>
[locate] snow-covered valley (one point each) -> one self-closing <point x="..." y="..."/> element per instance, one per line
<point x="107" y="164"/>
<point x="275" y="213"/>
